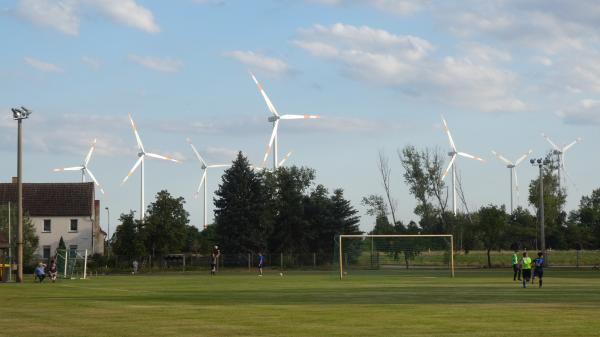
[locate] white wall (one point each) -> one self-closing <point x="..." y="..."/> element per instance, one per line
<point x="61" y="227"/>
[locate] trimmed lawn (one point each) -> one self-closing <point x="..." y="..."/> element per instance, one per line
<point x="475" y="303"/>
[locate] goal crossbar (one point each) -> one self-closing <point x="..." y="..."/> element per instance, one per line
<point x="365" y="236"/>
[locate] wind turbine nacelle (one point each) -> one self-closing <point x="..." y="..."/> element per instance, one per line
<point x="451" y="153"/>
<point x="556" y="152"/>
<point x="272" y="119"/>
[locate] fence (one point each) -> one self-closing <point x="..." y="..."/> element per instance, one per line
<point x="318" y="261"/>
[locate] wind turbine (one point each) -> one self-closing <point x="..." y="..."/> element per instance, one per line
<point x="261" y="168"/>
<point x="511" y="166"/>
<point x="204" y="179"/>
<point x="142" y="154"/>
<point x="560" y="153"/>
<point x="84" y="168"/>
<point x="275" y="120"/>
<point x="453" y="154"/>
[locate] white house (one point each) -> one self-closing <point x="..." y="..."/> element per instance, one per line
<point x="67" y="210"/>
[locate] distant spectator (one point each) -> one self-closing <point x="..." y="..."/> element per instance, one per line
<point x="40" y="272"/>
<point x="53" y="272"/>
<point x="135" y="267"/>
<point x="261" y="262"/>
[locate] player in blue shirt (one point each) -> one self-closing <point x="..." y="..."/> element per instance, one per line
<point x="261" y="262"/>
<point x="538" y="267"/>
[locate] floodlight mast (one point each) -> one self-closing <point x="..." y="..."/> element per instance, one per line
<point x="19" y="114"/>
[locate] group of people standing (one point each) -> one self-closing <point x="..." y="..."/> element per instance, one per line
<point x="522" y="268"/>
<point x="41" y="273"/>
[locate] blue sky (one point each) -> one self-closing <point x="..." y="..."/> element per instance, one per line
<point x="379" y="72"/>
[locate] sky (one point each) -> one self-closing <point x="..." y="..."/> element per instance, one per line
<point x="380" y="73"/>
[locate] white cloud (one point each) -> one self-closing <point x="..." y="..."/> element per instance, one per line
<point x="397" y="7"/>
<point x="168" y="65"/>
<point x="408" y="63"/>
<point x="92" y="62"/>
<point x="61" y="15"/>
<point x="258" y="61"/>
<point x="127" y="12"/>
<point x="585" y="113"/>
<point x="43" y="66"/>
<point x="65" y="15"/>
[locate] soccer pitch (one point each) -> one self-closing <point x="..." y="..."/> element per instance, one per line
<point x="475" y="303"/>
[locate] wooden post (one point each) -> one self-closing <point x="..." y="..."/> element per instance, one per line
<point x="315" y="260"/>
<point x="281" y="260"/>
<point x="249" y="266"/>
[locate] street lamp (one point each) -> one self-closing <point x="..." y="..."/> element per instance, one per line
<point x="541" y="163"/>
<point x="19" y="114"/>
<point x="108" y="234"/>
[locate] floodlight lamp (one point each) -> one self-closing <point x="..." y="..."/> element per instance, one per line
<point x="532" y="161"/>
<point x="539" y="161"/>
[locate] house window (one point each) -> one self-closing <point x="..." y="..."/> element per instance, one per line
<point x="46" y="253"/>
<point x="47" y="226"/>
<point x="73" y="227"/>
<point x="72" y="251"/>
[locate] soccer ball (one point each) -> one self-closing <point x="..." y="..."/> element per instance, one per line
<point x="280" y="274"/>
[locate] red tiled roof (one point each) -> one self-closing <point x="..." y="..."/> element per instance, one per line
<point x="52" y="199"/>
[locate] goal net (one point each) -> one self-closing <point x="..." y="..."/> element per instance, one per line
<point x="71" y="264"/>
<point x="394" y="254"/>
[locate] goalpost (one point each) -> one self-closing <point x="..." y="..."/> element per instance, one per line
<point x="394" y="253"/>
<point x="72" y="264"/>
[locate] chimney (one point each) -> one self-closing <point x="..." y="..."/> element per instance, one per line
<point x="15" y="180"/>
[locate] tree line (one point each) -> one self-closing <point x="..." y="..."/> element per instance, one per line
<point x="490" y="227"/>
<point x="280" y="211"/>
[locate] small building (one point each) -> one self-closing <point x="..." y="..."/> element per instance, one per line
<point x="67" y="210"/>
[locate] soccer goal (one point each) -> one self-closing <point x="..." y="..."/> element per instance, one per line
<point x="71" y="264"/>
<point x="394" y="254"/>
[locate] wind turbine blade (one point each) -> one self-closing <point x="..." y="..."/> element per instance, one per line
<point x="196" y="152"/>
<point x="502" y="158"/>
<point x="566" y="173"/>
<point x="578" y="140"/>
<point x="285" y="158"/>
<point x="551" y="142"/>
<point x="135" y="166"/>
<point x="76" y="168"/>
<point x="89" y="155"/>
<point x="158" y="156"/>
<point x="200" y="185"/>
<point x="219" y="166"/>
<point x="300" y="116"/>
<point x="264" y="94"/>
<point x="470" y="156"/>
<point x="449" y="166"/>
<point x="449" y="134"/>
<point x="273" y="134"/>
<point x="137" y="136"/>
<point x="94" y="179"/>
<point x="523" y="157"/>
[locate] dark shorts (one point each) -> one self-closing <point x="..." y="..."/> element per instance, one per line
<point x="516" y="267"/>
<point x="260" y="265"/>
<point x="526" y="274"/>
<point x="538" y="273"/>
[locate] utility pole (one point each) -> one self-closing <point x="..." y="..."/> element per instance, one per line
<point x="19" y="114"/>
<point x="541" y="163"/>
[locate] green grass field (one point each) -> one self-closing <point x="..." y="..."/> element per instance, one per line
<point x="475" y="303"/>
